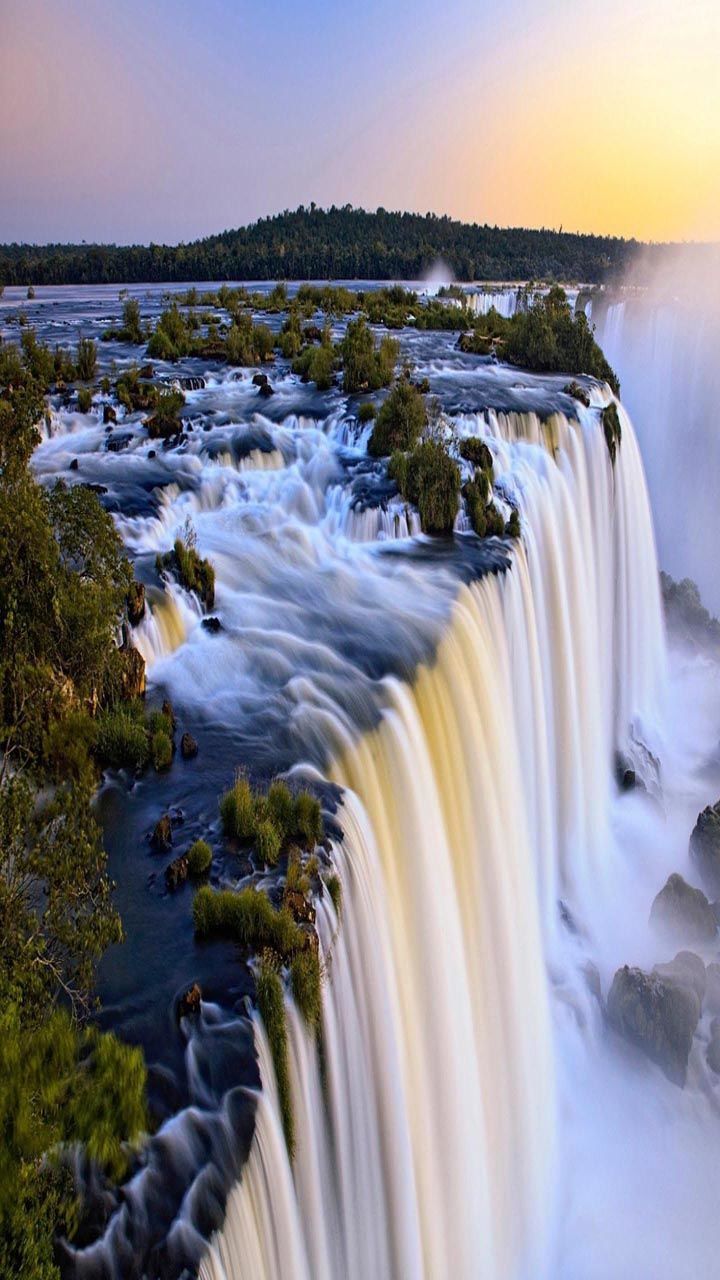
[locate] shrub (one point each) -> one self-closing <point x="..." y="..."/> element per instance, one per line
<point x="397" y="469"/>
<point x="121" y="738"/>
<point x="316" y="364"/>
<point x="512" y="528"/>
<point x="305" y="983"/>
<point x="495" y="522"/>
<point x="161" y="750"/>
<point x="365" y="366"/>
<point x="432" y="483"/>
<point x="475" y="498"/>
<point x="281" y="808"/>
<point x="248" y="918"/>
<point x="67" y="746"/>
<point x="400" y="421"/>
<point x="475" y="451"/>
<point x="199" y="858"/>
<point x="612" y="429"/>
<point x="237" y="810"/>
<point x="84" y="399"/>
<point x="86" y="361"/>
<point x="271" y="1006"/>
<point x="308" y="817"/>
<point x="366" y="411"/>
<point x="334" y="888"/>
<point x="165" y="421"/>
<point x="268" y="841"/>
<point x="193" y="573"/>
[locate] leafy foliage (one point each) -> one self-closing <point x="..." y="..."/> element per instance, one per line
<point x="366" y="367"/>
<point x="400" y="421"/>
<point x="430" y="479"/>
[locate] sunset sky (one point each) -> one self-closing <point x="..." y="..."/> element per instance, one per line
<point x="130" y="121"/>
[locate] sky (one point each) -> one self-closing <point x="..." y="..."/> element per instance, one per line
<point x="125" y="121"/>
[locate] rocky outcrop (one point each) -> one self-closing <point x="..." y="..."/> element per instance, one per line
<point x="177" y="873"/>
<point x="578" y="393"/>
<point x="212" y="624"/>
<point x="109" y="414"/>
<point x="136" y="603"/>
<point x="713" y="1049"/>
<point x="705" y="848"/>
<point x="190" y="1002"/>
<point x="682" y="912"/>
<point x="658" y="1015"/>
<point x="132" y="672"/>
<point x="686" y="970"/>
<point x="188" y="747"/>
<point x="162" y="836"/>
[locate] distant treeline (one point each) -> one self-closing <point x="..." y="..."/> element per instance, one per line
<point x="333" y="244"/>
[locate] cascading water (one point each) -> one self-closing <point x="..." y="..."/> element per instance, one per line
<point x="464" y="701"/>
<point x="468" y="813"/>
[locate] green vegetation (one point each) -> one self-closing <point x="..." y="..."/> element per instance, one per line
<point x="476" y="452"/>
<point x="317" y="364"/>
<point x="271" y="820"/>
<point x="131" y="329"/>
<point x="165" y="421"/>
<point x="400" y="422"/>
<point x="86" y="362"/>
<point x="271" y="1005"/>
<point x="199" y="858"/>
<point x="366" y="366"/>
<point x="430" y="479"/>
<point x="612" y="429"/>
<point x="366" y="411"/>
<point x="306" y="986"/>
<point x="248" y="918"/>
<point x="341" y="243"/>
<point x="334" y="888"/>
<point x="84" y="399"/>
<point x="546" y="337"/>
<point x="192" y="572"/>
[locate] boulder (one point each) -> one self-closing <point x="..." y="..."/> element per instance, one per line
<point x="132" y="674"/>
<point x="705" y="848"/>
<point x="152" y="453"/>
<point x="683" y="912"/>
<point x="167" y="711"/>
<point x="116" y="443"/>
<point x="300" y="908"/>
<point x="136" y="603"/>
<point x="190" y="1002"/>
<point x="177" y="873"/>
<point x="266" y="390"/>
<point x="578" y="393"/>
<point x="162" y="836"/>
<point x="686" y="970"/>
<point x="109" y="414"/>
<point x="657" y="1016"/>
<point x="188" y="747"/>
<point x="212" y="624"/>
<point x="74" y="465"/>
<point x="259" y="379"/>
<point x="713" y="1049"/>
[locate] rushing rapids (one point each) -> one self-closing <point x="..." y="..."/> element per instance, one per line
<point x="460" y="706"/>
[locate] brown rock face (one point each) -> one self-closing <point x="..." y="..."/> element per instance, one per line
<point x="136" y="603"/>
<point x="162" y="836"/>
<point x="190" y="1002"/>
<point x="132" y="673"/>
<point x="177" y="873"/>
<point x="188" y="747"/>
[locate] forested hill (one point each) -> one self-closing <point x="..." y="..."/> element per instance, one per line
<point x="335" y="244"/>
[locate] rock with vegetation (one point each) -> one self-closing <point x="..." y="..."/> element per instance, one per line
<point x="475" y="451"/>
<point x="177" y="873"/>
<point x="686" y="614"/>
<point x="612" y="429"/>
<point x="190" y="1002"/>
<point x="367" y="366"/>
<point x="705" y="848"/>
<point x="162" y="837"/>
<point x="656" y="1015"/>
<point x="578" y="393"/>
<point x="400" y="421"/>
<point x="429" y="479"/>
<point x="188" y="747"/>
<point x="136" y="603"/>
<point x="272" y="820"/>
<point x="683" y="912"/>
<point x="192" y="572"/>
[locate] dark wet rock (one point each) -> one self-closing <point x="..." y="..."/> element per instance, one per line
<point x="705" y="847"/>
<point x="686" y="970"/>
<point x="177" y="815"/>
<point x="713" y="1049"/>
<point x="259" y="379"/>
<point x="578" y="393"/>
<point x="188" y="747"/>
<point x="109" y="414"/>
<point x="177" y="873"/>
<point x="624" y="773"/>
<point x="96" y="488"/>
<point x="189" y="1003"/>
<point x="311" y="333"/>
<point x="712" y="988"/>
<point x="152" y="453"/>
<point x="657" y="1016"/>
<point x="116" y="443"/>
<point x="266" y="390"/>
<point x="74" y="465"/>
<point x="683" y="912"/>
<point x="132" y="675"/>
<point x="167" y="711"/>
<point x="212" y="624"/>
<point x="136" y="603"/>
<point x="567" y="917"/>
<point x="146" y="373"/>
<point x="162" y="836"/>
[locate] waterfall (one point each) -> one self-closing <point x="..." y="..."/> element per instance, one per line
<point x="475" y="807"/>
